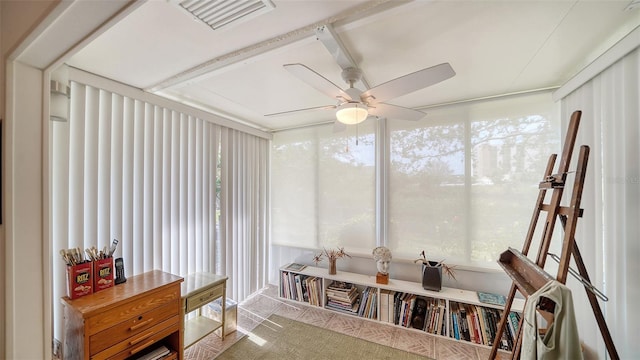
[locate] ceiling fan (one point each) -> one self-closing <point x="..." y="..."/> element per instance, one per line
<point x="354" y="105"/>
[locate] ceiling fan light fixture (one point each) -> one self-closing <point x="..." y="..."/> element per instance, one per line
<point x="352" y="113"/>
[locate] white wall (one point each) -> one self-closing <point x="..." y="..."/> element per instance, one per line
<point x="21" y="294"/>
<point x="23" y="223"/>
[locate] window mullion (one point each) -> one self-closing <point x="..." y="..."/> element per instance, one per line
<point x="467" y="213"/>
<point x="382" y="182"/>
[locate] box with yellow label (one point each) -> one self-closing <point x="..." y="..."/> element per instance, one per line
<point x="80" y="280"/>
<point x="102" y="274"/>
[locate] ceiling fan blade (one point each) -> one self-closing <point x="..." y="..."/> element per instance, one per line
<point x="316" y="81"/>
<point x="396" y="112"/>
<point x="408" y="83"/>
<point x="325" y="107"/>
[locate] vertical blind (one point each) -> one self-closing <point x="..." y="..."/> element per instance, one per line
<point x="151" y="177"/>
<point x="608" y="233"/>
<point x="244" y="211"/>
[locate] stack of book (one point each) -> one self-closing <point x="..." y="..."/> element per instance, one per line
<point x="313" y="285"/>
<point x="369" y="303"/>
<point x="435" y="320"/>
<point x="300" y="288"/>
<point x="479" y="324"/>
<point x="403" y="304"/>
<point x="386" y="305"/>
<point x="412" y="311"/>
<point x="343" y="297"/>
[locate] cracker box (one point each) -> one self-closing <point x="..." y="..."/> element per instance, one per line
<point x="102" y="274"/>
<point x="80" y="280"/>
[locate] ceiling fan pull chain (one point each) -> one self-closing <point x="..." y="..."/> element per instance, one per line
<point x="356" y="134"/>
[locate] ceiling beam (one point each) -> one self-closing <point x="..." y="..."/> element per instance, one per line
<point x="336" y="48"/>
<point x="219" y="63"/>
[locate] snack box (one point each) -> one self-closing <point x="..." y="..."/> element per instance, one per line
<point x="80" y="280"/>
<point x="102" y="274"/>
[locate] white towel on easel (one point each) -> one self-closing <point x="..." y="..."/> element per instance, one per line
<point x="561" y="340"/>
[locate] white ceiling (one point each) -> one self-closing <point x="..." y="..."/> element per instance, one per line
<point x="495" y="47"/>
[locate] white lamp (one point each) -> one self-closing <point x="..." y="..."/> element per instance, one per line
<point x="352" y="113"/>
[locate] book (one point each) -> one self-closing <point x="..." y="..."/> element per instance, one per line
<point x="298" y="281"/>
<point x="155" y="354"/>
<point x="390" y="306"/>
<point x="464" y="324"/>
<point x="295" y="267"/>
<point x="490" y="298"/>
<point x="384" y="305"/>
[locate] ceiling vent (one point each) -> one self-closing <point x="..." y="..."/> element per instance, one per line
<point x="223" y="13"/>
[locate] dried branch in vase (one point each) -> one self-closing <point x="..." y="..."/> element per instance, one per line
<point x="331" y="254"/>
<point x="449" y="270"/>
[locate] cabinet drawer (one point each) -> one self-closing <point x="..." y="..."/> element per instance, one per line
<point x="132" y="309"/>
<point x="132" y="327"/>
<point x="139" y="342"/>
<point x="201" y="298"/>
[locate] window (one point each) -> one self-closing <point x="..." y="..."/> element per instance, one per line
<point x="463" y="182"/>
<point x="323" y="186"/>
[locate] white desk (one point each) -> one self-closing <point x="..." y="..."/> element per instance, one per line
<point x="198" y="290"/>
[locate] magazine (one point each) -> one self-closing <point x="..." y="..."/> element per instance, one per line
<point x="295" y="267"/>
<point x="489" y="298"/>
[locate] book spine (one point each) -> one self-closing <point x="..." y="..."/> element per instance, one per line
<point x="384" y="306"/>
<point x="392" y="295"/>
<point x="464" y="324"/>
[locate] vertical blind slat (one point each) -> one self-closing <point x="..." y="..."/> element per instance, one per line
<point x="138" y="187"/>
<point x="157" y="188"/>
<point x="190" y="195"/>
<point x="147" y="210"/>
<point x="76" y="162"/>
<point x="127" y="186"/>
<point x="104" y="168"/>
<point x="92" y="112"/>
<point x="166" y="190"/>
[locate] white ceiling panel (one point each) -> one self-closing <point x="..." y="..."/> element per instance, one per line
<point x="495" y="47"/>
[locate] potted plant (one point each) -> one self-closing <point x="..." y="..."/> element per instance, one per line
<point x="332" y="255"/>
<point x="432" y="272"/>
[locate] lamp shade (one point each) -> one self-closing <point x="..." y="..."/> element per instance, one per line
<point x="352" y="113"/>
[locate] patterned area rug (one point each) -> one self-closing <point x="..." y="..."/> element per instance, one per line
<point x="282" y="338"/>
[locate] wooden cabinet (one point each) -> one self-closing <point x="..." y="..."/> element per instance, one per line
<point x="125" y="320"/>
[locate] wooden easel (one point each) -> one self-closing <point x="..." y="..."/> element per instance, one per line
<point x="528" y="276"/>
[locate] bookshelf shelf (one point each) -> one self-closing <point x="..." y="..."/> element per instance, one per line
<point x="452" y="313"/>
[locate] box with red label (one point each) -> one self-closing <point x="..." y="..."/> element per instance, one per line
<point x="102" y="274"/>
<point x="80" y="280"/>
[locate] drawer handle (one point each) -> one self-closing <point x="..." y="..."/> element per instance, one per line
<point x="142" y="324"/>
<point x="135" y="341"/>
<point x="142" y="347"/>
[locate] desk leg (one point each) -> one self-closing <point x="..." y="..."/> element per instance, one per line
<point x="183" y="302"/>
<point x="224" y="311"/>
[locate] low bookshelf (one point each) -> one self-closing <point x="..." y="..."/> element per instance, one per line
<point x="454" y="313"/>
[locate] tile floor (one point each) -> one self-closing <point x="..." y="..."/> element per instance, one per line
<point x="266" y="302"/>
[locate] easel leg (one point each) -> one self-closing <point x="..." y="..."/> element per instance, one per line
<point x="502" y="327"/>
<point x="597" y="312"/>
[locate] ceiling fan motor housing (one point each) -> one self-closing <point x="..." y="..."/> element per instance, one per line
<point x="351" y="75"/>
